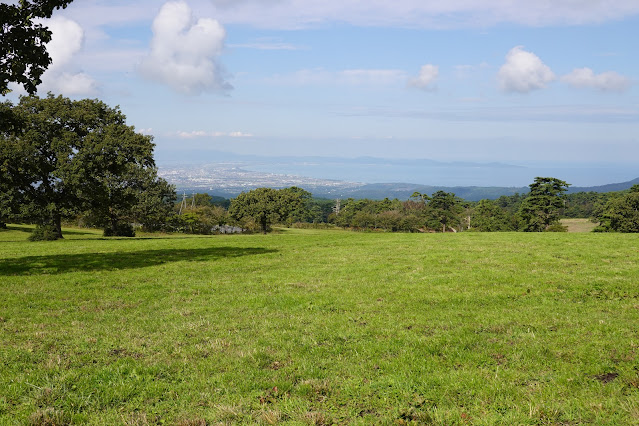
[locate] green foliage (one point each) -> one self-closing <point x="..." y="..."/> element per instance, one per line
<point x="446" y="209"/>
<point x="44" y="233"/>
<point x="265" y="206"/>
<point x="585" y="204"/>
<point x="119" y="230"/>
<point x="70" y="157"/>
<point x="23" y="56"/>
<point x="556" y="227"/>
<point x="621" y="213"/>
<point x="541" y="208"/>
<point x="487" y="216"/>
<point x="154" y="204"/>
<point x="441" y="212"/>
<point x="201" y="220"/>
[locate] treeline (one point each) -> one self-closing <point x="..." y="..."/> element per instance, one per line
<point x="539" y="210"/>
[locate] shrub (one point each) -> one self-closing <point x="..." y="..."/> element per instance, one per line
<point x="556" y="227"/>
<point x="44" y="233"/>
<point x="120" y="230"/>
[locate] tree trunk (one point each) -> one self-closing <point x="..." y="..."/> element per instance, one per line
<point x="57" y="225"/>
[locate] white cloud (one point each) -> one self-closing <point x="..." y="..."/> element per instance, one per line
<point x="184" y="52"/>
<point x="426" y="79"/>
<point x="523" y="72"/>
<point x="606" y="81"/>
<point x="240" y="135"/>
<point x="67" y="38"/>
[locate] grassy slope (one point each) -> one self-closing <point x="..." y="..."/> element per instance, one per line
<point x="320" y="327"/>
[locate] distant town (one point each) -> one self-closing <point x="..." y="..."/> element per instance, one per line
<point x="229" y="179"/>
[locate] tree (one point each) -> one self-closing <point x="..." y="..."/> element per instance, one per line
<point x="540" y="209"/>
<point x="36" y="157"/>
<point x="265" y="206"/>
<point x="114" y="171"/>
<point x="202" y="200"/>
<point x="489" y="217"/>
<point x="445" y="208"/>
<point x="73" y="156"/>
<point x="23" y="53"/>
<point x="621" y="214"/>
<point x="154" y="206"/>
<point x="294" y="205"/>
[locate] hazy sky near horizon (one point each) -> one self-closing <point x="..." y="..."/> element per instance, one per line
<point x="468" y="80"/>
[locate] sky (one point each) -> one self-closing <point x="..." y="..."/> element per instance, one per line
<point x="459" y="80"/>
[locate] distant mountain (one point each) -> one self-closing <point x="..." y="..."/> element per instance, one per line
<point x="605" y="188"/>
<point x="403" y="191"/>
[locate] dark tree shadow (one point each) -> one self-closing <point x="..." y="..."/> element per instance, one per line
<point x="63" y="263"/>
<point x="18" y="228"/>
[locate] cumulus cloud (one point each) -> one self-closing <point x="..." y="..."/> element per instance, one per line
<point x="184" y="51"/>
<point x="426" y="79"/>
<point x="67" y="37"/>
<point x="606" y="81"/>
<point x="523" y="72"/>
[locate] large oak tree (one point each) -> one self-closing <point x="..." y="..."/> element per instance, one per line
<point x="67" y="157"/>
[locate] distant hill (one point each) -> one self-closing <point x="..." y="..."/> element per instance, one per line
<point x="611" y="187"/>
<point x="403" y="191"/>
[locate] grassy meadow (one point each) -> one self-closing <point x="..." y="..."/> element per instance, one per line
<point x="319" y="327"/>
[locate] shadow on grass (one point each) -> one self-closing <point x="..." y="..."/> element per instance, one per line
<point x="18" y="228"/>
<point x="87" y="262"/>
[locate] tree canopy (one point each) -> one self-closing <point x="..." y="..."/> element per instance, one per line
<point x="540" y="209"/>
<point x="23" y="53"/>
<point x="265" y="206"/>
<point x="68" y="157"/>
<point x="621" y="213"/>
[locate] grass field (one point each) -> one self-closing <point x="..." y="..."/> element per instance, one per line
<point x="320" y="327"/>
<point x="579" y="225"/>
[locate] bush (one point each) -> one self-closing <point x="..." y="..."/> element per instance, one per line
<point x="120" y="230"/>
<point x="556" y="227"/>
<point x="44" y="233"/>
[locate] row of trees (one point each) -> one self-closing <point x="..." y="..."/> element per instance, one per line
<point x="440" y="212"/>
<point x="537" y="211"/>
<point x="60" y="159"/>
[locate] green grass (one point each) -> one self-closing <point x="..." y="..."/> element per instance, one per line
<point x="320" y="327"/>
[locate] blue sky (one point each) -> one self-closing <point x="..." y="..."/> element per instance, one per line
<point x="485" y="80"/>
